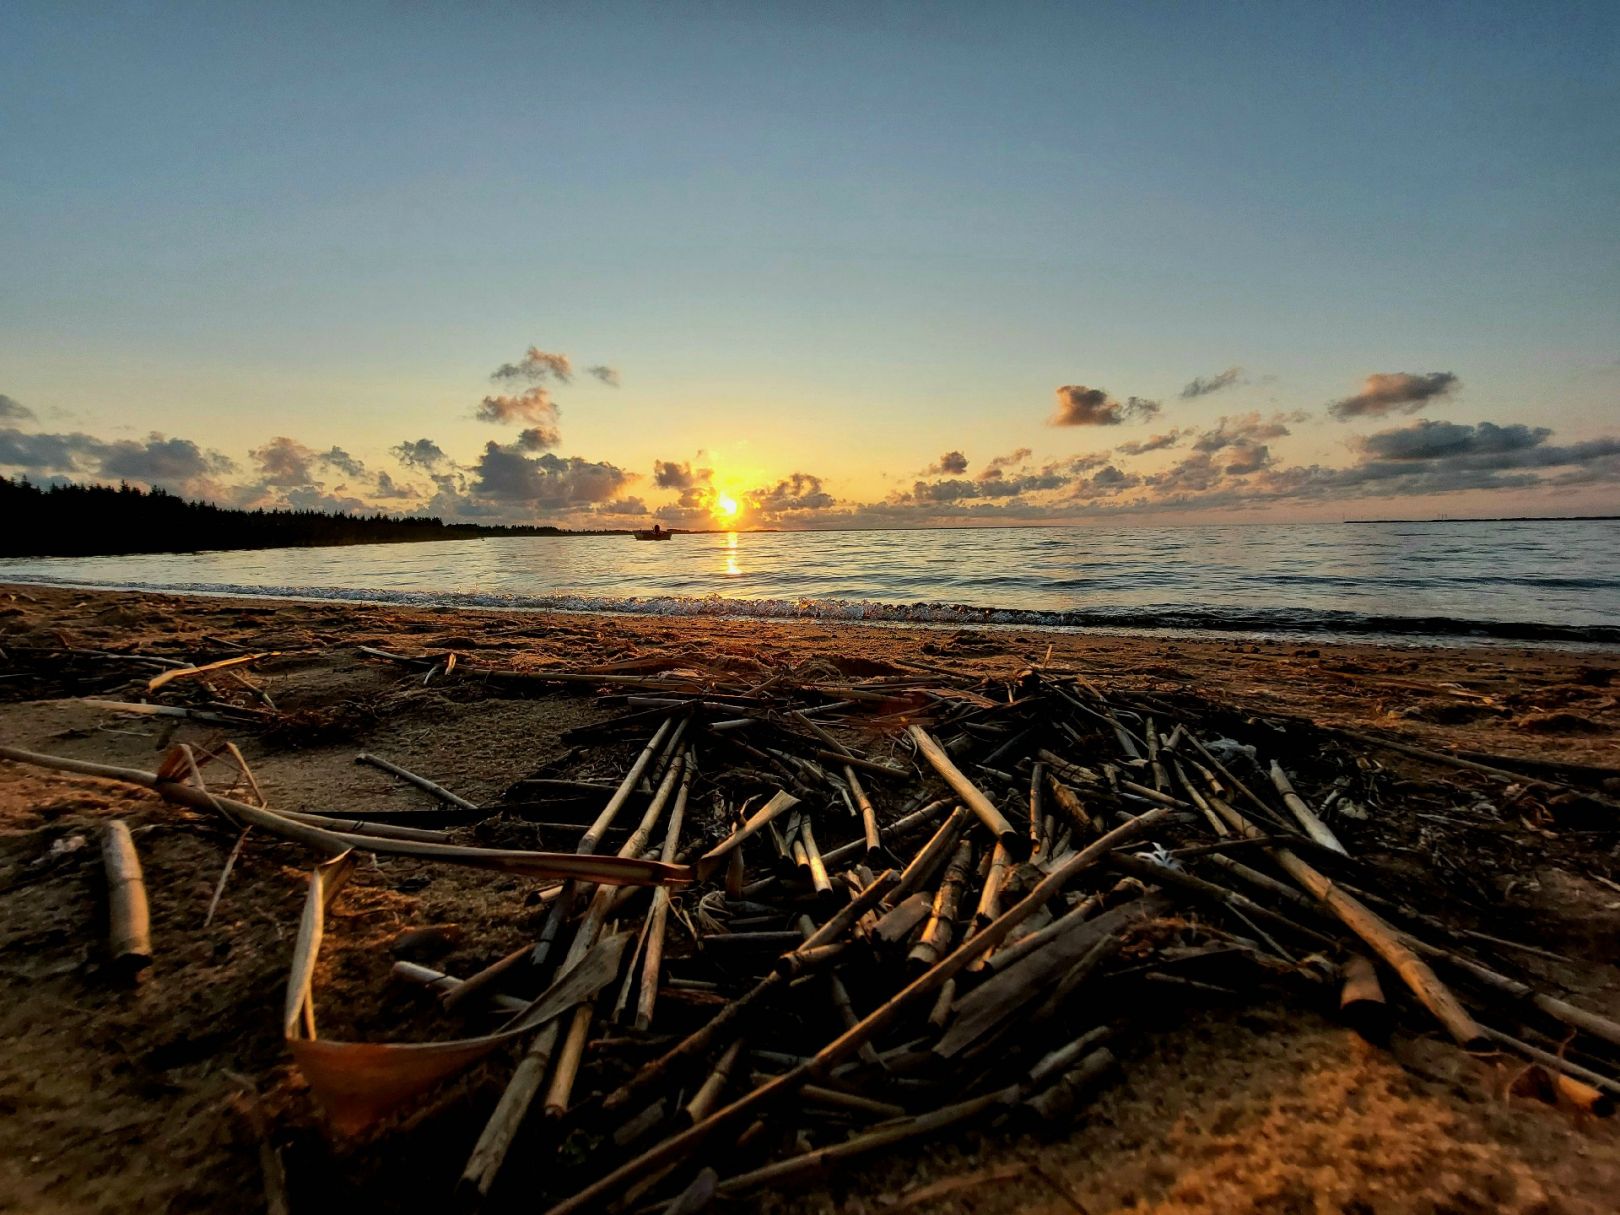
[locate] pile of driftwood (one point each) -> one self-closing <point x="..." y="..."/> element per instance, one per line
<point x="811" y="918"/>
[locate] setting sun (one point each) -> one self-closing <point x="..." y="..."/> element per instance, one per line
<point x="725" y="508"/>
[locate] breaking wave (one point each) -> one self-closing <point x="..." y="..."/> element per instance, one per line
<point x="1283" y="622"/>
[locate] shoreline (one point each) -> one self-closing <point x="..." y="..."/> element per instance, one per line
<point x="1163" y="624"/>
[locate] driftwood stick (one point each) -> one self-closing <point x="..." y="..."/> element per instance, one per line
<point x="421" y="782"/>
<point x="1361" y="999"/>
<point x="1314" y="826"/>
<point x="971" y="795"/>
<point x="1384" y="940"/>
<point x="658" y="916"/>
<point x="931" y="855"/>
<point x="157" y="681"/>
<point x="438" y="981"/>
<point x="502" y="860"/>
<point x="129" y="936"/>
<point x="869" y="823"/>
<point x="941" y="925"/>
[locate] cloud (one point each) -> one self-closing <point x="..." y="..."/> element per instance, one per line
<point x="387" y="487"/>
<point x="1245" y="429"/>
<point x="1202" y="386"/>
<point x="539" y="438"/>
<point x="546" y="482"/>
<point x="420" y="453"/>
<point x="801" y="491"/>
<point x="1087" y="462"/>
<point x="1139" y="447"/>
<point x="1427" y="440"/>
<point x="609" y="376"/>
<point x="953" y="462"/>
<point x="536" y="366"/>
<point x="45" y="453"/>
<point x="159" y="460"/>
<point x="342" y="461"/>
<point x="1394" y="392"/>
<point x="14" y="410"/>
<point x="623" y="506"/>
<point x="669" y="475"/>
<point x="1081" y="406"/>
<point x="533" y="405"/>
<point x="285" y="462"/>
<point x="1007" y="461"/>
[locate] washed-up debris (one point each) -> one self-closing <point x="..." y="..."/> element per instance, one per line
<point x="801" y="918"/>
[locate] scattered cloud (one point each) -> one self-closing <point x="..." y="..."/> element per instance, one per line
<point x="1427" y="440"/>
<point x="801" y="491"/>
<point x="388" y="488"/>
<point x="952" y="462"/>
<point x="610" y="377"/>
<point x="1202" y="386"/>
<point x="623" y="506"/>
<point x="535" y="366"/>
<point x="1078" y="405"/>
<point x="669" y="475"/>
<point x="419" y="453"/>
<point x="1010" y="460"/>
<point x="285" y="462"/>
<point x="1244" y="430"/>
<point x="342" y="461"/>
<point x="533" y="405"/>
<point x="547" y="482"/>
<point x="13" y="410"/>
<point x="1139" y="447"/>
<point x="45" y="453"/>
<point x="539" y="438"/>
<point x="1394" y="392"/>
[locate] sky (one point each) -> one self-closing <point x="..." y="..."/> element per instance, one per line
<point x="831" y="265"/>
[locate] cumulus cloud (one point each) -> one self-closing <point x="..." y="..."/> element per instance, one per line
<point x="419" y="453"/>
<point x="1078" y="405"/>
<point x="1394" y="392"/>
<point x="1428" y="440"/>
<point x="609" y="376"/>
<point x="1242" y="430"/>
<point x="1139" y="447"/>
<point x="342" y="461"/>
<point x="44" y="453"/>
<point x="533" y="405"/>
<point x="952" y="462"/>
<point x="14" y="410"/>
<point x="622" y="506"/>
<point x="801" y="491"/>
<point x="1010" y="460"/>
<point x="160" y="460"/>
<point x="536" y="366"/>
<point x="285" y="462"/>
<point x="546" y="482"/>
<point x="1202" y="386"/>
<point x="387" y="487"/>
<point x="539" y="438"/>
<point x="669" y="475"/>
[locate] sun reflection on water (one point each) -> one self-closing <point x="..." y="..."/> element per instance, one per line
<point x="732" y="569"/>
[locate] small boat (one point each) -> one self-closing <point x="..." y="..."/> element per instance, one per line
<point x="657" y="533"/>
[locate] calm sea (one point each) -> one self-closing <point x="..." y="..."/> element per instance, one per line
<point x="1529" y="581"/>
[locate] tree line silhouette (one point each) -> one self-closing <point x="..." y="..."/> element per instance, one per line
<point x="70" y="520"/>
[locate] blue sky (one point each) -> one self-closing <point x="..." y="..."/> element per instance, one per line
<point x="829" y="240"/>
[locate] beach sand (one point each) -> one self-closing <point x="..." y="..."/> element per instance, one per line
<point x="119" y="1097"/>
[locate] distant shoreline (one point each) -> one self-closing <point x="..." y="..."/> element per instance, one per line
<point x="1501" y="519"/>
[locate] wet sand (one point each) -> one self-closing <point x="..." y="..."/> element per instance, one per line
<point x="118" y="1098"/>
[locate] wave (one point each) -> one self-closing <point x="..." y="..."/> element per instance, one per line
<point x="1284" y="622"/>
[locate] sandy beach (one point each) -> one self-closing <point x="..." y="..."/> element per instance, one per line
<point x="121" y="1097"/>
